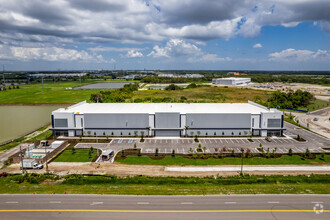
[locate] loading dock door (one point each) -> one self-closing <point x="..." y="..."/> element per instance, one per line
<point x="168" y="133"/>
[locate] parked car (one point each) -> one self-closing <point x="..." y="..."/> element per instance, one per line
<point x="268" y="139"/>
<point x="315" y="119"/>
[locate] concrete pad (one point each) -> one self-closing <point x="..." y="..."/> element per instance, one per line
<point x="245" y="168"/>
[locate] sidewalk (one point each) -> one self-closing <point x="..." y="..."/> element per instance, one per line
<point x="237" y="168"/>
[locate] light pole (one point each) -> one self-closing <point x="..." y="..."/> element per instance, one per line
<point x="242" y="150"/>
<point x="21" y="159"/>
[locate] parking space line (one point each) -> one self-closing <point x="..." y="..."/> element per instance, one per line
<point x="215" y="141"/>
<point x="226" y="140"/>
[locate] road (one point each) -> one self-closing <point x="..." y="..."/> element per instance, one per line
<point x="164" y="207"/>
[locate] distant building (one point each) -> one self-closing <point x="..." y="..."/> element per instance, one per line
<point x="130" y="77"/>
<point x="40" y="75"/>
<point x="167" y="119"/>
<point x="231" y="81"/>
<point x="233" y="73"/>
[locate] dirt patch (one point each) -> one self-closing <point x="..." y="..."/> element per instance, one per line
<point x="123" y="170"/>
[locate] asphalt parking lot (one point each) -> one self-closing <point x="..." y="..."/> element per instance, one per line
<point x="315" y="143"/>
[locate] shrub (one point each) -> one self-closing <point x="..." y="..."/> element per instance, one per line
<point x="173" y="153"/>
<point x="134" y="145"/>
<point x="290" y="152"/>
<point x="156" y="152"/>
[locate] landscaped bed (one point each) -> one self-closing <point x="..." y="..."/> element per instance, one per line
<point x="183" y="160"/>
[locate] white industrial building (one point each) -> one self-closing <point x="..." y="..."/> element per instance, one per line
<point x="231" y="81"/>
<point x="167" y="119"/>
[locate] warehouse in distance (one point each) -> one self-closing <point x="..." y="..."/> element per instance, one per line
<point x="231" y="81"/>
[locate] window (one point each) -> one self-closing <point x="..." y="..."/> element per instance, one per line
<point x="252" y="122"/>
<point x="61" y="123"/>
<point x="274" y="123"/>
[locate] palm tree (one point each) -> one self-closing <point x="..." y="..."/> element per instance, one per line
<point x="186" y="128"/>
<point x="148" y="128"/>
<point x="198" y="133"/>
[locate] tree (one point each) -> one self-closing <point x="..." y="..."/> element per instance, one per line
<point x="73" y="150"/>
<point x="307" y="153"/>
<point x="135" y="133"/>
<point x="112" y="134"/>
<point x="148" y="129"/>
<point x="191" y="133"/>
<point x="139" y="153"/>
<point x="123" y="153"/>
<point x="103" y="133"/>
<point x="223" y="133"/>
<point x="173" y="153"/>
<point x="89" y="133"/>
<point x="290" y="152"/>
<point x="135" y="146"/>
<point x="198" y="133"/>
<point x="156" y="152"/>
<point x="186" y="128"/>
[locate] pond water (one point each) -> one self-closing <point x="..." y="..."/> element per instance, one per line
<point x="18" y="120"/>
<point x="105" y="85"/>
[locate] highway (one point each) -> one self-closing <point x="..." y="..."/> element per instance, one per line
<point x="53" y="206"/>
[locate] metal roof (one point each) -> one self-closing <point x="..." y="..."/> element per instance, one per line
<point x="152" y="108"/>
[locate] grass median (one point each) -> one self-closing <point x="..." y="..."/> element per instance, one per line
<point x="143" y="185"/>
<point x="179" y="160"/>
<point x="78" y="155"/>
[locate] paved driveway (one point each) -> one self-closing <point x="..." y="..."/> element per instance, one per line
<point x="315" y="143"/>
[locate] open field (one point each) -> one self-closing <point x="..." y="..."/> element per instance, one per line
<point x="205" y="94"/>
<point x="80" y="155"/>
<point x="179" y="160"/>
<point x="53" y="93"/>
<point x="142" y="185"/>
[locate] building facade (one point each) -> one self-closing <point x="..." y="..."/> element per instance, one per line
<point x="167" y="119"/>
<point x="231" y="81"/>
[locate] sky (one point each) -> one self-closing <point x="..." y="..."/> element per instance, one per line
<point x="165" y="34"/>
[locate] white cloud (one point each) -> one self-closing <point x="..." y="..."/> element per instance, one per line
<point x="133" y="54"/>
<point x="299" y="55"/>
<point x="47" y="54"/>
<point x="213" y="58"/>
<point x="175" y="48"/>
<point x="114" y="49"/>
<point x="257" y="46"/>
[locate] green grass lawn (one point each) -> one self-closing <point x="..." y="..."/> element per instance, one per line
<point x="317" y="104"/>
<point x="179" y="160"/>
<point x="81" y="155"/>
<point x="142" y="185"/>
<point x="53" y="93"/>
